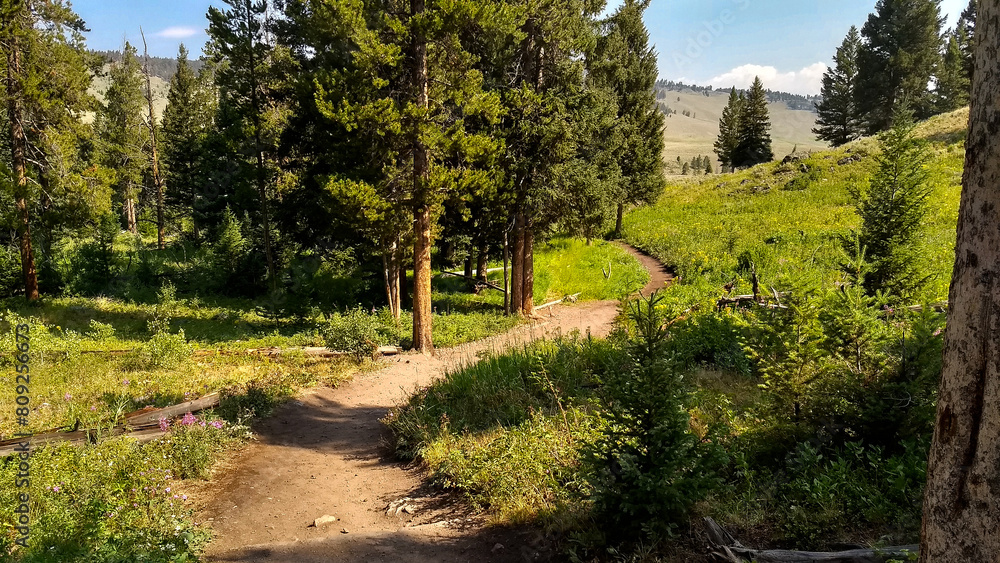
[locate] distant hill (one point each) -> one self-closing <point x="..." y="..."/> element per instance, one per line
<point x="693" y="122"/>
<point x="160" y="67"/>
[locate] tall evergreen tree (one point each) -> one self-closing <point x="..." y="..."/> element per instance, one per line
<point x="40" y="40"/>
<point x="897" y="60"/>
<point x="122" y="134"/>
<point x="627" y="64"/>
<point x="729" y="130"/>
<point x="755" y="129"/>
<point x="187" y="120"/>
<point x="965" y="34"/>
<point x="953" y="85"/>
<point x="838" y="121"/>
<point x="241" y="45"/>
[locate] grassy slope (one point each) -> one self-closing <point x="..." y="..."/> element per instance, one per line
<point x="704" y="227"/>
<point x="688" y="137"/>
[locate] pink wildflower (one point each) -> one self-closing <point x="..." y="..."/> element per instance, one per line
<point x="189" y="419"/>
<point x="164" y="424"/>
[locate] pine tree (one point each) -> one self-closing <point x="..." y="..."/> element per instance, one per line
<point x="953" y="85"/>
<point x="240" y="44"/>
<point x="708" y="166"/>
<point x="965" y="34"/>
<point x="186" y="123"/>
<point x="122" y="134"/>
<point x="838" y="121"/>
<point x="686" y="168"/>
<point x="754" y="132"/>
<point x="41" y="115"/>
<point x="892" y="209"/>
<point x="627" y="65"/>
<point x="897" y="59"/>
<point x="729" y="130"/>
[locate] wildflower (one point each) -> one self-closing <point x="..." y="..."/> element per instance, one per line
<point x="125" y="382"/>
<point x="67" y="396"/>
<point x="218" y="424"/>
<point x="202" y="424"/>
<point x="164" y="424"/>
<point x="189" y="419"/>
<point x="55" y="488"/>
<point x="93" y="408"/>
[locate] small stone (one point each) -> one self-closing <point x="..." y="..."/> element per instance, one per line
<point x="497" y="548"/>
<point x="344" y="531"/>
<point x="324" y="520"/>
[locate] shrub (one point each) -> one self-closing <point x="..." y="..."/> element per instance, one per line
<point x="647" y="467"/>
<point x="357" y="332"/>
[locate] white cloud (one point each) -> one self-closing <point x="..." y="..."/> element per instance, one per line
<point x="178" y="32"/>
<point x="809" y="80"/>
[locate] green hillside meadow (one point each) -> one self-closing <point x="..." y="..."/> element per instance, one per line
<point x="787" y="218"/>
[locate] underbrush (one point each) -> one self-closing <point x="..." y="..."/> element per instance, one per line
<point x="116" y="500"/>
<point x="589" y="438"/>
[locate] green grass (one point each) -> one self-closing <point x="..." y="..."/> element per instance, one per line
<point x="788" y="218"/>
<point x="506" y="431"/>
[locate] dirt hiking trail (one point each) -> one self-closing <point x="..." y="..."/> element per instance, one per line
<point x="326" y="453"/>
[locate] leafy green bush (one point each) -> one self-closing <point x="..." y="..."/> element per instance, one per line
<point x="357" y="332"/>
<point x="647" y="467"/>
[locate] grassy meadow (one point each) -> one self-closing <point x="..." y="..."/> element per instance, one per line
<point x="824" y="405"/>
<point x="94" y="359"/>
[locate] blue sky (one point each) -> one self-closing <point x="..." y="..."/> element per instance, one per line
<point x="718" y="42"/>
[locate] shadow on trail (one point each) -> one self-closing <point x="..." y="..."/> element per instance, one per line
<point x="416" y="546"/>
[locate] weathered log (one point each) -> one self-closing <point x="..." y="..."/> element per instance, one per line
<point x="145" y="417"/>
<point x="474" y="280"/>
<point x="726" y="548"/>
<point x="143" y="422"/>
<point x="311" y="351"/>
<point x="570" y="298"/>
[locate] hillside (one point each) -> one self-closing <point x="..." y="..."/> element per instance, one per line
<point x="100" y="83"/>
<point x="788" y="217"/>
<point x="688" y="137"/>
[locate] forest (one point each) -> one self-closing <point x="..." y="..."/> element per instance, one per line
<point x="391" y="278"/>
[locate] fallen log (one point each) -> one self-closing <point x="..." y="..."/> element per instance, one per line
<point x="143" y="425"/>
<point x="272" y="352"/>
<point x="145" y="417"/>
<point x="474" y="280"/>
<point x="570" y="298"/>
<point x="726" y="548"/>
<point x="749" y="299"/>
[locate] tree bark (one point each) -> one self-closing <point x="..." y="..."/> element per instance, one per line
<point x="391" y="267"/>
<point x="506" y="274"/>
<point x="962" y="500"/>
<point x="482" y="260"/>
<point x="618" y="220"/>
<point x="19" y="158"/>
<point x="422" y="320"/>
<point x="259" y="149"/>
<point x="517" y="267"/>
<point x="153" y="155"/>
<point x="528" y="273"/>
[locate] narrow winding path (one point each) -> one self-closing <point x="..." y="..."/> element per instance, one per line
<point x="327" y="454"/>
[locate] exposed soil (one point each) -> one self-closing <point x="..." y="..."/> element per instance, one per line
<point x="326" y="453"/>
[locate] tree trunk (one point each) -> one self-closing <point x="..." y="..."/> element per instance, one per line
<point x="391" y="266"/>
<point x="265" y="209"/>
<point x="128" y="210"/>
<point x="506" y="275"/>
<point x="482" y="260"/>
<point x="618" y="220"/>
<point x="19" y="157"/>
<point x="422" y="320"/>
<point x="528" y="273"/>
<point x="517" y="267"/>
<point x="153" y="156"/>
<point x="962" y="500"/>
<point x="467" y="265"/>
